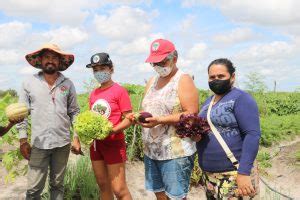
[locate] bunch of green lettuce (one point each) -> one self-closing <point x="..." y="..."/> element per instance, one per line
<point x="90" y="125"/>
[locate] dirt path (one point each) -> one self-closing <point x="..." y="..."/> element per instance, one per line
<point x="284" y="175"/>
<point x="13" y="190"/>
<point x="135" y="180"/>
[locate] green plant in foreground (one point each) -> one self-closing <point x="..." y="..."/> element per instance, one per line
<point x="134" y="146"/>
<point x="12" y="158"/>
<point x="264" y="159"/>
<point x="196" y="172"/>
<point x="297" y="155"/>
<point x="79" y="181"/>
<point x="277" y="128"/>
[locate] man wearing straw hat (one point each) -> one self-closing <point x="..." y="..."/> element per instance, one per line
<point x="51" y="98"/>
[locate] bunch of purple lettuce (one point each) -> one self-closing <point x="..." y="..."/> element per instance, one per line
<point x="191" y="125"/>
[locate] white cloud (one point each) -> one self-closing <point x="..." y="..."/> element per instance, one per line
<point x="235" y="36"/>
<point x="66" y="37"/>
<point x="12" y="33"/>
<point x="140" y="45"/>
<point x="267" y="12"/>
<point x="9" y="56"/>
<point x="17" y="39"/>
<point x="70" y="12"/>
<point x="67" y="12"/>
<point x="127" y="32"/>
<point x="137" y="46"/>
<point x="187" y="23"/>
<point x="276" y="60"/>
<point x="191" y="61"/>
<point x="28" y="70"/>
<point x="187" y="30"/>
<point x="125" y="2"/>
<point x="272" y="60"/>
<point x="124" y="23"/>
<point x="266" y="53"/>
<point x="145" y="67"/>
<point x="3" y="79"/>
<point x="197" y="51"/>
<point x="190" y="3"/>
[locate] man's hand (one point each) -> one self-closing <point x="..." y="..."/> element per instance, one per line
<point x="15" y="121"/>
<point x="245" y="187"/>
<point x="25" y="148"/>
<point x="4" y="130"/>
<point x="76" y="147"/>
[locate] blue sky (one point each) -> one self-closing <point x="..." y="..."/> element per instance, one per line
<point x="264" y="38"/>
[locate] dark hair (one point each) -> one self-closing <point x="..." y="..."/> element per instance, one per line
<point x="223" y="61"/>
<point x="109" y="65"/>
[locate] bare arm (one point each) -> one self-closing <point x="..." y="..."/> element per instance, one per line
<point x="4" y="130"/>
<point x="189" y="100"/>
<point x="125" y="123"/>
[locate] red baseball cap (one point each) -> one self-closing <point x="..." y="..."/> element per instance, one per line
<point x="159" y="50"/>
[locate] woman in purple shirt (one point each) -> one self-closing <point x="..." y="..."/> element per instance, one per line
<point x="235" y="115"/>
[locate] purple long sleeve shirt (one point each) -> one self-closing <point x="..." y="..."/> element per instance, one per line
<point x="237" y="119"/>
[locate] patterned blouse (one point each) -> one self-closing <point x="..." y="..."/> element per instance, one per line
<point x="161" y="142"/>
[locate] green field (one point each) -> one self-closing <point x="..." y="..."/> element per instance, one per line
<point x="279" y="117"/>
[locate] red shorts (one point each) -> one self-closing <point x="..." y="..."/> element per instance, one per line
<point x="111" y="151"/>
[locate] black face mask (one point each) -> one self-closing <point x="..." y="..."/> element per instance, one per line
<point x="220" y="86"/>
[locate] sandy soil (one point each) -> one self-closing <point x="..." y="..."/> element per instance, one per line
<point x="284" y="176"/>
<point x="135" y="181"/>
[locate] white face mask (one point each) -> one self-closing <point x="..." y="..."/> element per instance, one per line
<point x="163" y="71"/>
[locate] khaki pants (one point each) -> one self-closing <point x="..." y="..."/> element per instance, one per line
<point x="40" y="159"/>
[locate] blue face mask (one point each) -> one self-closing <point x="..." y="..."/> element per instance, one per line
<point x="102" y="77"/>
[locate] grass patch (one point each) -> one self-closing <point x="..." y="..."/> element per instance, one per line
<point x="297" y="156"/>
<point x="264" y="159"/>
<point x="277" y="128"/>
<point x="79" y="181"/>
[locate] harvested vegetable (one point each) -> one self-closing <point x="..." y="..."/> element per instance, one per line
<point x="142" y="116"/>
<point x="191" y="125"/>
<point x="16" y="111"/>
<point x="90" y="125"/>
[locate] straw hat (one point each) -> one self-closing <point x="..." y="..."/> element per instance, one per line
<point x="34" y="58"/>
